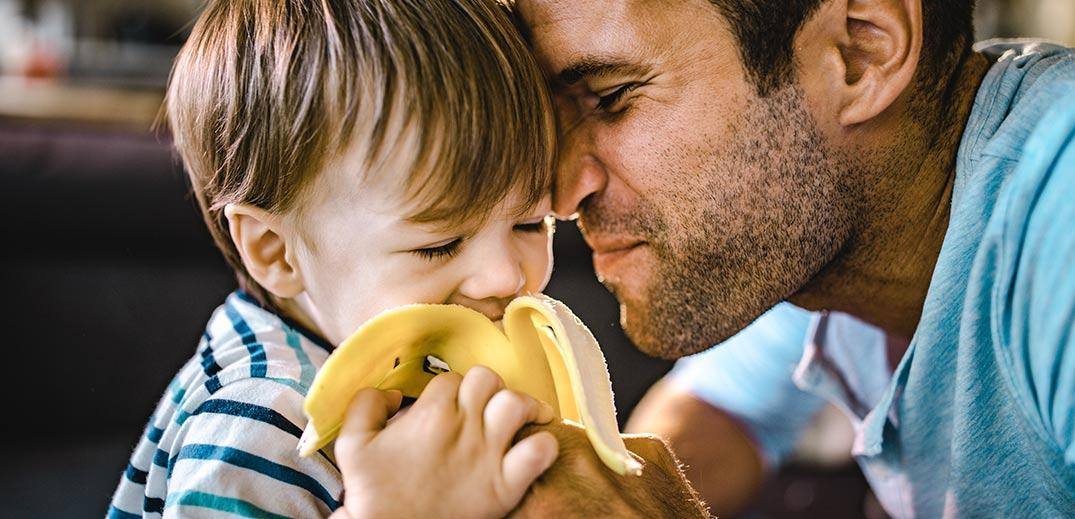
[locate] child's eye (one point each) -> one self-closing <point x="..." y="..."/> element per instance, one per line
<point x="535" y="227"/>
<point x="448" y="250"/>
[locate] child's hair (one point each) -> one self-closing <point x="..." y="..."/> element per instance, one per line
<point x="266" y="92"/>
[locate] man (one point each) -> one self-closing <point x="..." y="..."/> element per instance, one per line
<point x="845" y="155"/>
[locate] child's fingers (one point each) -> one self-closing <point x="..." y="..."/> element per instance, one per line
<point x="527" y="460"/>
<point x="478" y="386"/>
<point x="444" y="388"/>
<point x="367" y="415"/>
<point x="507" y="412"/>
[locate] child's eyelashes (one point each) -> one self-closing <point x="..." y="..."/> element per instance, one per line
<point x="539" y="226"/>
<point x="531" y="227"/>
<point x="448" y="250"/>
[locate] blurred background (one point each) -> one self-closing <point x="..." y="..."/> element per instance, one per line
<point x="111" y="276"/>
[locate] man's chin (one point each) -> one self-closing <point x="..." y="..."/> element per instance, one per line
<point x="670" y="327"/>
<point x="668" y="312"/>
<point x="631" y="290"/>
<point x="632" y="312"/>
<point x="648" y="337"/>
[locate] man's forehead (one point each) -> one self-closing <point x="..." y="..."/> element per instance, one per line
<point x="563" y="31"/>
<point x="541" y="13"/>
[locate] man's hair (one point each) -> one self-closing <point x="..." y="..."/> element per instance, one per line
<point x="266" y="92"/>
<point x="766" y="29"/>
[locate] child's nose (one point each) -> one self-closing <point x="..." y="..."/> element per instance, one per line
<point x="499" y="278"/>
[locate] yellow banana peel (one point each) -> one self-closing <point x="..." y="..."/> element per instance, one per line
<point x="543" y="351"/>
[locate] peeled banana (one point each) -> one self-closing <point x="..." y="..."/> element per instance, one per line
<point x="543" y="350"/>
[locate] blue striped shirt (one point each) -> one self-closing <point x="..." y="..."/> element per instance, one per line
<point x="223" y="437"/>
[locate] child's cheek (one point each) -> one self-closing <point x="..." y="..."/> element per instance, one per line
<point x="538" y="264"/>
<point x="417" y="280"/>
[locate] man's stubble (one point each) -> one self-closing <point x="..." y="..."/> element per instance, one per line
<point x="755" y="219"/>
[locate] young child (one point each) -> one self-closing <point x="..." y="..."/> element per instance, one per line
<point x="350" y="156"/>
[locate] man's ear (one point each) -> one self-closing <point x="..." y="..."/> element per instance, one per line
<point x="263" y="246"/>
<point x="875" y="47"/>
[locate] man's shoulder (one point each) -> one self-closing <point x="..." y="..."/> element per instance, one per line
<point x="1026" y="117"/>
<point x="1024" y="64"/>
<point x="1036" y="207"/>
<point x="1039" y="215"/>
<point x="1034" y="291"/>
<point x="1027" y="82"/>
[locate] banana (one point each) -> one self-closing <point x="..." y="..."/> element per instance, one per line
<point x="544" y="350"/>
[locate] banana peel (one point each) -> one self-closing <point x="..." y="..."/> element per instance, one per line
<point x="542" y="350"/>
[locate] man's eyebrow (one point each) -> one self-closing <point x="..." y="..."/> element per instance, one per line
<point x="594" y="66"/>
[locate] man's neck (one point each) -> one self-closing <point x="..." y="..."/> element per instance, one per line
<point x="884" y="271"/>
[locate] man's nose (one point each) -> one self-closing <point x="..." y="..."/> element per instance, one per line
<point x="579" y="175"/>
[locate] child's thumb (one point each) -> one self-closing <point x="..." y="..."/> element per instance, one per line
<point x="525" y="461"/>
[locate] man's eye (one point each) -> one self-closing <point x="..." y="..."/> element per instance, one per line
<point x="608" y="102"/>
<point x="448" y="250"/>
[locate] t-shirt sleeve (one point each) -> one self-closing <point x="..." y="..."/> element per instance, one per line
<point x="750" y="377"/>
<point x="1039" y="250"/>
<point x="236" y="454"/>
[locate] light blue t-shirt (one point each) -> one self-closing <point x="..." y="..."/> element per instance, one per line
<point x="978" y="419"/>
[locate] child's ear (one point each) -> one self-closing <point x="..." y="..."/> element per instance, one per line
<point x="260" y="238"/>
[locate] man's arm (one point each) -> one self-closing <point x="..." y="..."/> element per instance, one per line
<point x="1038" y="250"/>
<point x="719" y="458"/>
<point x="733" y="411"/>
<point x="580" y="485"/>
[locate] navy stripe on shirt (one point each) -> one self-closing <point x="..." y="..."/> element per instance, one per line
<point x="213" y="384"/>
<point x="257" y="351"/>
<point x="153" y="505"/>
<point x="305" y="332"/>
<point x="160" y="458"/>
<point x="254" y="412"/>
<point x="241" y="294"/>
<point x="116" y="513"/>
<point x="135" y="475"/>
<point x="246" y="460"/>
<point x="209" y="363"/>
<point x="178" y="396"/>
<point x="251" y="411"/>
<point x="154" y="434"/>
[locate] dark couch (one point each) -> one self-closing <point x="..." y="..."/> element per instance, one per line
<point x="110" y="276"/>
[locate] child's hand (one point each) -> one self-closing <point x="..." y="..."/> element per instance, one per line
<point x="449" y="455"/>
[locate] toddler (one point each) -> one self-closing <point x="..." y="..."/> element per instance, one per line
<point x="350" y="156"/>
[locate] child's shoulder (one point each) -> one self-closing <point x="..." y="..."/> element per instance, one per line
<point x="248" y="350"/>
<point x="249" y="363"/>
<point x="230" y="421"/>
